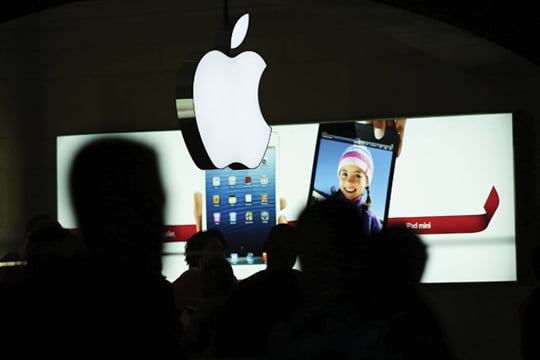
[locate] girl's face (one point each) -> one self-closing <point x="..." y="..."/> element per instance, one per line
<point x="352" y="181"/>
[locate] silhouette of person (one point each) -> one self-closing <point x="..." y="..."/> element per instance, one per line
<point x="281" y="247"/>
<point x="14" y="261"/>
<point x="45" y="294"/>
<point x="262" y="301"/>
<point x="415" y="330"/>
<point x="339" y="317"/>
<point x="529" y="312"/>
<point x="217" y="280"/>
<point x="53" y="253"/>
<point x="118" y="200"/>
<point x="200" y="247"/>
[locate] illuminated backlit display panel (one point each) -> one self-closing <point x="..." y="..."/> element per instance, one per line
<point x="453" y="183"/>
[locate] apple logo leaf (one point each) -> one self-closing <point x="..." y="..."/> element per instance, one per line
<point x="239" y="31"/>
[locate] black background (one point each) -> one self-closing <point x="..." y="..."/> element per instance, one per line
<point x="514" y="25"/>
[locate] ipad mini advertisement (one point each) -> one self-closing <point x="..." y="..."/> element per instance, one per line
<point x="452" y="183"/>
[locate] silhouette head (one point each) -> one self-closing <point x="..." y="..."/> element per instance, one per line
<point x="402" y="254"/>
<point x="217" y="278"/>
<point x="281" y="246"/>
<point x="118" y="200"/>
<point x="204" y="245"/>
<point x="331" y="235"/>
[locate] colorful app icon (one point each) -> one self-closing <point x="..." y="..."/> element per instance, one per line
<point x="264" y="198"/>
<point x="232" y="217"/>
<point x="217" y="217"/>
<point x="234" y="258"/>
<point x="232" y="199"/>
<point x="264" y="179"/>
<point x="249" y="216"/>
<point x="247" y="180"/>
<point x="265" y="216"/>
<point x="216" y="181"/>
<point x="248" y="199"/>
<point x="250" y="258"/>
<point x="232" y="180"/>
<point x="216" y="200"/>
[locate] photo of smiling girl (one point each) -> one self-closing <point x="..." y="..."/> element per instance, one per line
<point x="355" y="172"/>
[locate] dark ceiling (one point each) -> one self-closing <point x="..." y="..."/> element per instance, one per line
<point x="514" y="25"/>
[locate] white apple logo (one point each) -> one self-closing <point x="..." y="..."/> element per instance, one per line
<point x="226" y="104"/>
